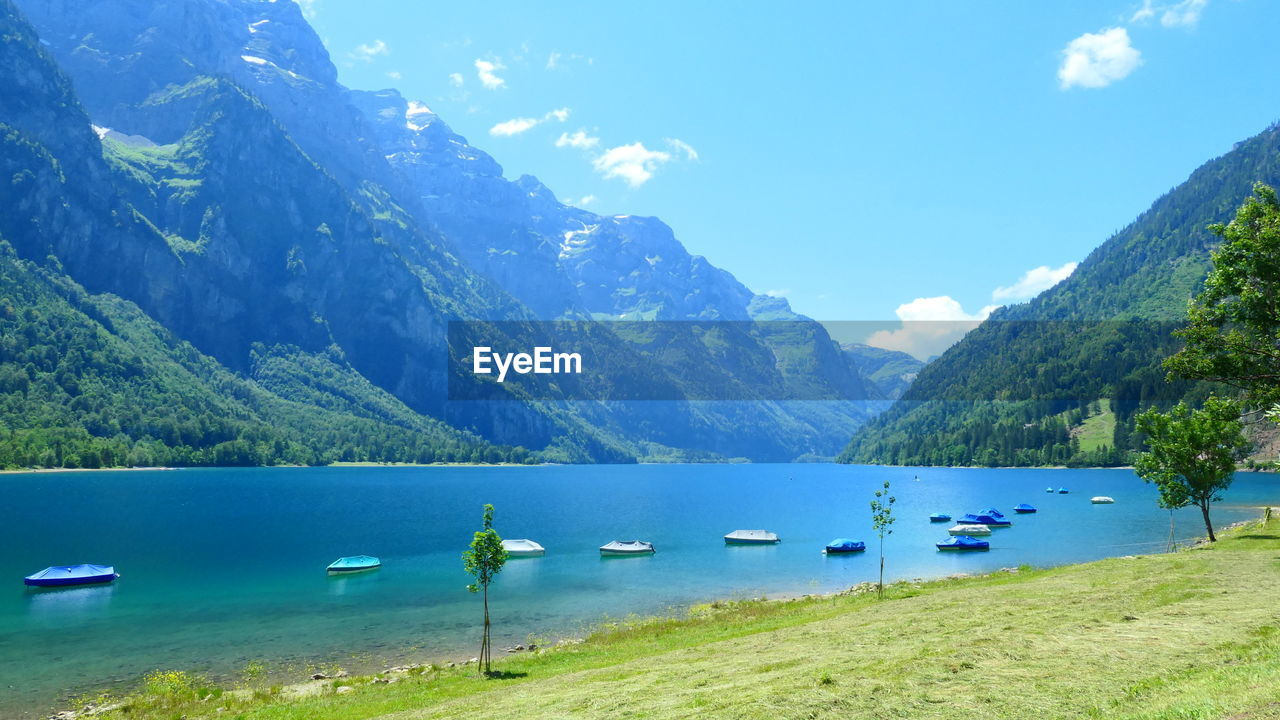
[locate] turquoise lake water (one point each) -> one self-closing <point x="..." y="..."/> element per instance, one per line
<point x="225" y="566"/>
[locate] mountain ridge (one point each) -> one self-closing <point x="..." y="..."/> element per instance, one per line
<point x="1011" y="391"/>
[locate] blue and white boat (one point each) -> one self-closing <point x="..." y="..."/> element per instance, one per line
<point x="354" y="563"/>
<point x="984" y="519"/>
<point x="844" y="545"/>
<point x="1063" y="491"/>
<point x="1048" y="489"/>
<point x="68" y="575"/>
<point x="1023" y="508"/>
<point x="939" y="517"/>
<point x="964" y="542"/>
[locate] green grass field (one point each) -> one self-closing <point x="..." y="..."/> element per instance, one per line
<point x="1098" y="430"/>
<point x="1195" y="634"/>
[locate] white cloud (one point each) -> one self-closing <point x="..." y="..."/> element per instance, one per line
<point x="553" y="60"/>
<point x="586" y="200"/>
<point x="367" y="52"/>
<point x="519" y="125"/>
<point x="684" y="147"/>
<point x="394" y="74"/>
<point x="1033" y="282"/>
<point x="929" y="326"/>
<point x="513" y="127"/>
<point x="777" y="293"/>
<point x="634" y="163"/>
<point x="456" y="79"/>
<point x="579" y="139"/>
<point x="1146" y="12"/>
<point x="1183" y="14"/>
<point x="486" y="70"/>
<point x="1095" y="60"/>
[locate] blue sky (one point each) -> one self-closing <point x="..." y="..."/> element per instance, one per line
<point x="866" y="160"/>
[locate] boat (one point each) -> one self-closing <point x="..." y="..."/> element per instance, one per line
<point x="750" y="537"/>
<point x="1023" y="508"/>
<point x="939" y="517"/>
<point x="964" y="542"/>
<point x="68" y="575"/>
<point x="984" y="519"/>
<point x="844" y="545"/>
<point x="1063" y="491"/>
<point x="627" y="547"/>
<point x="354" y="563"/>
<point x="523" y="548"/>
<point x="1048" y="490"/>
<point x="969" y="530"/>
<point x="1102" y="500"/>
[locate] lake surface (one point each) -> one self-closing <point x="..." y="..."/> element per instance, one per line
<point x="221" y="567"/>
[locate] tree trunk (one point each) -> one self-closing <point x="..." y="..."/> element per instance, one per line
<point x="880" y="585"/>
<point x="484" y="644"/>
<point x="1208" y="525"/>
<point x="1172" y="544"/>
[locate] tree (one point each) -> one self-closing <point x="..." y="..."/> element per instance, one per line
<point x="1233" y="325"/>
<point x="1192" y="454"/>
<point x="484" y="560"/>
<point x="1173" y="496"/>
<point x="881" y="520"/>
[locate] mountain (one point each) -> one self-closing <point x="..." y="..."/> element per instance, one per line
<point x="199" y="160"/>
<point x="1059" y="379"/>
<point x="891" y="371"/>
<point x="128" y="392"/>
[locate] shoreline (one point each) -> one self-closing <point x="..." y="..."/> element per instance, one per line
<point x="398" y="666"/>
<point x="23" y="471"/>
<point x="362" y="464"/>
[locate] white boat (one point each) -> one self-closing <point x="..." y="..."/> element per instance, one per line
<point x="750" y="537"/>
<point x="970" y="530"/>
<point x="627" y="547"/>
<point x="1102" y="500"/>
<point x="523" y="548"/>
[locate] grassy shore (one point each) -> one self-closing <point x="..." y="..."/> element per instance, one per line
<point x="1192" y="634"/>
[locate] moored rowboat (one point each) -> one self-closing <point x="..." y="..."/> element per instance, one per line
<point x="964" y="542"/>
<point x="844" y="545"/>
<point x="750" y="537"/>
<point x="523" y="548"/>
<point x="68" y="575"/>
<point x="971" y="529"/>
<point x="627" y="547"/>
<point x="354" y="563"/>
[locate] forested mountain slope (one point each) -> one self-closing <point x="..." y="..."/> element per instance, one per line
<point x="1024" y="388"/>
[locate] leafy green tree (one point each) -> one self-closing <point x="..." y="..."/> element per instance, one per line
<point x="1233" y="326"/>
<point x="1192" y="454"/>
<point x="882" y="521"/>
<point x="484" y="560"/>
